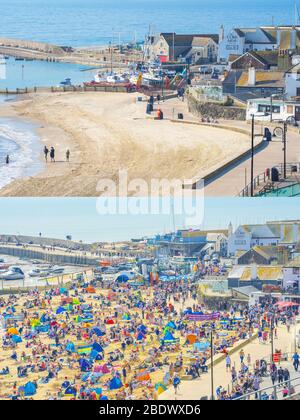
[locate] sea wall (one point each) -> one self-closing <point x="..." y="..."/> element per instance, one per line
<point x="49" y="256"/>
<point x="31" y="45"/>
<point x="215" y="110"/>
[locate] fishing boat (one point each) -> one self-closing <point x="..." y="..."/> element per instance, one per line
<point x="36" y="272"/>
<point x="151" y="79"/>
<point x="56" y="270"/>
<point x="14" y="273"/>
<point x="112" y="78"/>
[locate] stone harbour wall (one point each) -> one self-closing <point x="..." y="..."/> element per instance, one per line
<point x="214" y="110"/>
<point x="31" y="45"/>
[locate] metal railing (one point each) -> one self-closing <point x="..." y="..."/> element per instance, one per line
<point x="264" y="179"/>
<point x="292" y="386"/>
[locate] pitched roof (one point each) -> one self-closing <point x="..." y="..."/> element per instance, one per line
<point x="261" y="231"/>
<point x="263" y="273"/>
<point x="263" y="79"/>
<point x="294" y="69"/>
<point x="268" y="58"/>
<point x="186" y="40"/>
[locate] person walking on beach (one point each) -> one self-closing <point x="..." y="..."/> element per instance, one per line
<point x="52" y="154"/>
<point x="68" y="154"/>
<point x="46" y="152"/>
<point x="7" y="160"/>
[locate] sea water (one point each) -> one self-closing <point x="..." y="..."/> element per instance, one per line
<point x="22" y="74"/>
<point x="91" y="22"/>
<point x="18" y="140"/>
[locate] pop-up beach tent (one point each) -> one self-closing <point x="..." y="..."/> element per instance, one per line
<point x="171" y="325"/>
<point x="123" y="277"/>
<point x="13" y="331"/>
<point x="115" y="383"/>
<point x="95" y="355"/>
<point x="97" y="332"/>
<point x="191" y="338"/>
<point x="29" y="389"/>
<point x="160" y="388"/>
<point x="60" y="310"/>
<point x="70" y="392"/>
<point x="84" y="349"/>
<point x="70" y="347"/>
<point x="85" y="365"/>
<point x="97" y="347"/>
<point x="169" y="338"/>
<point x="16" y="339"/>
<point x="140" y="336"/>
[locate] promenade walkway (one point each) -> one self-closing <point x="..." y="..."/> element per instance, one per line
<point x="195" y="389"/>
<point x="229" y="183"/>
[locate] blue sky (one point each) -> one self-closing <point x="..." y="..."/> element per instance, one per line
<point x="78" y="217"/>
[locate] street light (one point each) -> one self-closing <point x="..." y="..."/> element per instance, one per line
<point x="272" y="338"/>
<point x="212" y="364"/>
<point x="265" y="114"/>
<point x="283" y="131"/>
<point x="252" y="154"/>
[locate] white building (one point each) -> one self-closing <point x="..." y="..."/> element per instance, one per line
<point x="240" y="40"/>
<point x="291" y="275"/>
<point x="292" y="82"/>
<point x="281" y="109"/>
<point x="264" y="38"/>
<point x="269" y="234"/>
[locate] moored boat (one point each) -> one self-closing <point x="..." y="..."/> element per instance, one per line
<point x="14" y="273"/>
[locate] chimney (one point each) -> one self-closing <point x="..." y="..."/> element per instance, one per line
<point x="253" y="271"/>
<point x="252" y="76"/>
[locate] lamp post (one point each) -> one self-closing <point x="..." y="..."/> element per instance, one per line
<point x="212" y="364"/>
<point x="284" y="148"/>
<point x="283" y="131"/>
<point x="272" y="338"/>
<point x="252" y="154"/>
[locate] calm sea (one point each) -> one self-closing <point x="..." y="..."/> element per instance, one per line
<point x="88" y="22"/>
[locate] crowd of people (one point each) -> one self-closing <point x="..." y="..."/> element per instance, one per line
<point x="123" y="341"/>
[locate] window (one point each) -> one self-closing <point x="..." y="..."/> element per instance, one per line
<point x="267" y="108"/>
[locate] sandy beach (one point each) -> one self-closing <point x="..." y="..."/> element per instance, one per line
<point x="106" y="132"/>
